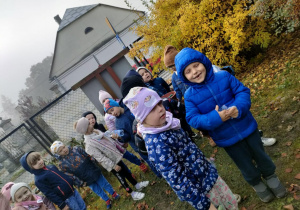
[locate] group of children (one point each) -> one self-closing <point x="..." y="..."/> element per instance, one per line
<point x="215" y="102"/>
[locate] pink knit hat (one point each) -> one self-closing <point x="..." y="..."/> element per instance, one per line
<point x="103" y="95"/>
<point x="6" y="190"/>
<point x="82" y="125"/>
<point x="141" y="101"/>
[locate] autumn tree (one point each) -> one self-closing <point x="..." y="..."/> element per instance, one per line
<point x="226" y="31"/>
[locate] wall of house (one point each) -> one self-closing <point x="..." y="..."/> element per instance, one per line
<point x="72" y="44"/>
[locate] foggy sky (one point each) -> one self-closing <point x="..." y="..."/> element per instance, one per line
<point x="27" y="36"/>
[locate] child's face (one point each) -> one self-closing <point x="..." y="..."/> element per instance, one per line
<point x="115" y="111"/>
<point x="104" y="100"/>
<point x="63" y="150"/>
<point x="157" y="116"/>
<point x="90" y="129"/>
<point x="145" y="75"/>
<point x="91" y="119"/>
<point x="39" y="164"/>
<point x="23" y="194"/>
<point x="195" y="72"/>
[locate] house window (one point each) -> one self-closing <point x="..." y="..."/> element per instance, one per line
<point x="88" y="30"/>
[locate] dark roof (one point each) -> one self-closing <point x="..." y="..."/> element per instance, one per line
<point x="72" y="14"/>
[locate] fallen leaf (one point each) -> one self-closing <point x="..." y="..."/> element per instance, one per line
<point x="288" y="170"/>
<point x="283" y="154"/>
<point x="289" y="128"/>
<point x="297" y="176"/>
<point x="152" y="183"/>
<point x="212" y="155"/>
<point x="294" y="112"/>
<point x="289" y="143"/>
<point x="215" y="150"/>
<point x="243" y="208"/>
<point x="172" y="203"/>
<point x="152" y="208"/>
<point x="168" y="192"/>
<point x="296" y="197"/>
<point x="298" y="156"/>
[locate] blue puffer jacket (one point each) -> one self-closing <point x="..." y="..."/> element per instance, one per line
<point x="219" y="89"/>
<point x="54" y="184"/>
<point x="182" y="165"/>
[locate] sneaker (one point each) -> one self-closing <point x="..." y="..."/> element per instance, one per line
<point x="237" y="197"/>
<point x="276" y="186"/>
<point x="108" y="204"/>
<point x="143" y="167"/>
<point x="137" y="195"/>
<point x="268" y="141"/>
<point x="116" y="196"/>
<point x="264" y="194"/>
<point x="139" y="186"/>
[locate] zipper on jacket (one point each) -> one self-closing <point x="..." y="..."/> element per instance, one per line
<point x="216" y="99"/>
<point x="62" y="192"/>
<point x="61" y="178"/>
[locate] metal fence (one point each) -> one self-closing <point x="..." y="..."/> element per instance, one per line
<point x="53" y="122"/>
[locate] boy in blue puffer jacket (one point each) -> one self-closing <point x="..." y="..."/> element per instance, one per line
<point x="233" y="128"/>
<point x="54" y="184"/>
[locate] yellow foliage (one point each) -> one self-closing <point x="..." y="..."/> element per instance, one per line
<point x="223" y="30"/>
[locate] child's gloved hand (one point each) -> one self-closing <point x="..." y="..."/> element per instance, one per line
<point x="223" y="114"/>
<point x="233" y="112"/>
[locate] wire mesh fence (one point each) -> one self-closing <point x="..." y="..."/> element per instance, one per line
<point x="53" y="122"/>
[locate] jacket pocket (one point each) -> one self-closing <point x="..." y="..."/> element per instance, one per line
<point x="62" y="192"/>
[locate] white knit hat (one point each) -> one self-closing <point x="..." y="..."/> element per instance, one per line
<point x="82" y="125"/>
<point x="55" y="146"/>
<point x="103" y="95"/>
<point x="16" y="187"/>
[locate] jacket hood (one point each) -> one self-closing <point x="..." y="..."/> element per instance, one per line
<point x="187" y="56"/>
<point x="26" y="166"/>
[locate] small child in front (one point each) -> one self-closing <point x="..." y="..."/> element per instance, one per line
<point x="76" y="162"/>
<point x="23" y="198"/>
<point x="54" y="184"/>
<point x="175" y="156"/>
<point x="233" y="128"/>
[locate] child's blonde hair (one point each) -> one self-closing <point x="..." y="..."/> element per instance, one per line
<point x="33" y="158"/>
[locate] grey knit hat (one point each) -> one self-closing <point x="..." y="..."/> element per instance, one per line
<point x="82" y="125"/>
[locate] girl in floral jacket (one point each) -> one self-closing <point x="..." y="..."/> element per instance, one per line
<point x="181" y="163"/>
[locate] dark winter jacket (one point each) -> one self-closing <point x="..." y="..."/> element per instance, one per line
<point x="124" y="122"/>
<point x="220" y="89"/>
<point x="159" y="85"/>
<point x="178" y="86"/>
<point x="80" y="164"/>
<point x="54" y="184"/>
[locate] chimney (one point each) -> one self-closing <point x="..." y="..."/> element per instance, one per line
<point x="57" y="19"/>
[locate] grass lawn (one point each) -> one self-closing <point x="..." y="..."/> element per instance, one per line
<point x="275" y="86"/>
